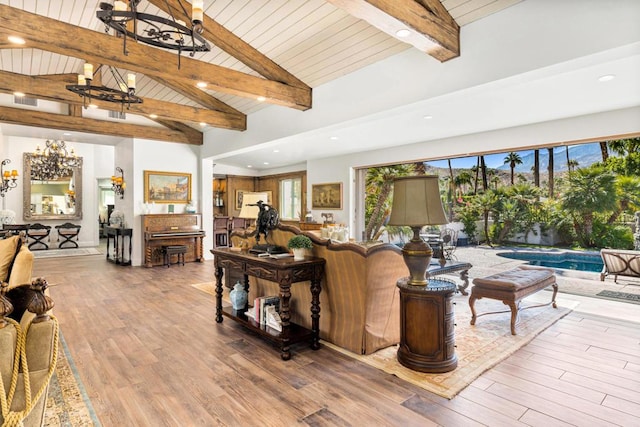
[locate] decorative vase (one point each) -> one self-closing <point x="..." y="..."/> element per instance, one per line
<point x="298" y="254"/>
<point x="238" y="296"/>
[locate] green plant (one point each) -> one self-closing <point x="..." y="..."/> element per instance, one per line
<point x="299" y="242"/>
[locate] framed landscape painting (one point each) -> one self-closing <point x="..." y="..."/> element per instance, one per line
<point x="326" y="196"/>
<point x="167" y="187"/>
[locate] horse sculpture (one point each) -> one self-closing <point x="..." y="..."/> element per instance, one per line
<point x="267" y="220"/>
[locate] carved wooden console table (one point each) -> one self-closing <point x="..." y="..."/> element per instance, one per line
<point x="285" y="272"/>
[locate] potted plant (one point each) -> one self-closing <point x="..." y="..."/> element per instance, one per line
<point x="298" y="244"/>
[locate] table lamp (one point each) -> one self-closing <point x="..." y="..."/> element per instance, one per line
<point x="249" y="209"/>
<point x="416" y="203"/>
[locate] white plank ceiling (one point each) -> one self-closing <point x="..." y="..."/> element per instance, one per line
<point x="312" y="39"/>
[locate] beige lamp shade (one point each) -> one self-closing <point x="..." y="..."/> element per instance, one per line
<point x="251" y="212"/>
<point x="416" y="202"/>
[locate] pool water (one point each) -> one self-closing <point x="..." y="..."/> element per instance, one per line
<point x="580" y="261"/>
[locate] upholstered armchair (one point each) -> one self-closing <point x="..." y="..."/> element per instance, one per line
<point x="27" y="333"/>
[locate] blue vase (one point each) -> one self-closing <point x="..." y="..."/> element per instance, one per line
<point x="238" y="297"/>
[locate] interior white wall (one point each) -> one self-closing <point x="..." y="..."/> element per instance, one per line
<point x="163" y="157"/>
<point x="97" y="162"/>
<point x="556" y="132"/>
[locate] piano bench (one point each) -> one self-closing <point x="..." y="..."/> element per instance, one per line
<point x="178" y="250"/>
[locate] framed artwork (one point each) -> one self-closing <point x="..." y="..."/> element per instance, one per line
<point x="326" y="196"/>
<point x="167" y="187"/>
<point x="240" y="193"/>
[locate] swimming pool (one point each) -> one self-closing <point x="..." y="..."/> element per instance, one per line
<point x="582" y="261"/>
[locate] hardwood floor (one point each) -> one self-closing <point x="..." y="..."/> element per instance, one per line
<point x="150" y="354"/>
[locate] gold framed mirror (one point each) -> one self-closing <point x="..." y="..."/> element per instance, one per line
<point x="59" y="198"/>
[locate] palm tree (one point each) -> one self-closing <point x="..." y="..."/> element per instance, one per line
<point x="483" y="170"/>
<point x="590" y="190"/>
<point x="624" y="147"/>
<point x="536" y="168"/>
<point x="550" y="172"/>
<point x="379" y="185"/>
<point x="512" y="159"/>
<point x="464" y="178"/>
<point x="572" y="164"/>
<point x="604" y="151"/>
<point x="486" y="203"/>
<point x="628" y="192"/>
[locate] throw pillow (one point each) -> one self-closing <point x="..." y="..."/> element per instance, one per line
<point x="8" y="250"/>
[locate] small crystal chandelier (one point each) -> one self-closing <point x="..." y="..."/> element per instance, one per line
<point x="125" y="94"/>
<point x="155" y="30"/>
<point x="117" y="182"/>
<point x="53" y="162"/>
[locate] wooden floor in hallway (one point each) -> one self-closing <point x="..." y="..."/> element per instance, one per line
<point x="149" y="353"/>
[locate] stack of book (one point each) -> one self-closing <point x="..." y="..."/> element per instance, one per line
<point x="258" y="311"/>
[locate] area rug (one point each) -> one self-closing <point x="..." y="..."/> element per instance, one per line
<point x="67" y="402"/>
<point x="55" y="253"/>
<point x="478" y="347"/>
<point x="620" y="296"/>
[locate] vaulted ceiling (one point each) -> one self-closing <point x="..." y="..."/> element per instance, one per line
<point x="276" y="49"/>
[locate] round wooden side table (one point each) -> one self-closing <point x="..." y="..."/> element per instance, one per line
<point x="427" y="337"/>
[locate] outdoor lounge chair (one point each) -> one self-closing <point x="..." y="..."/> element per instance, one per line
<point x="620" y="263"/>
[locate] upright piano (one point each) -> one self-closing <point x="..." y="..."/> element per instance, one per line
<point x="172" y="229"/>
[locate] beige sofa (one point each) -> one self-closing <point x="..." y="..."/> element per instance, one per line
<point x="620" y="263"/>
<point x="359" y="300"/>
<point x="41" y="338"/>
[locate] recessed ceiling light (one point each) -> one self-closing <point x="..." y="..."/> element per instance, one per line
<point x="428" y="117"/>
<point x="265" y="163"/>
<point x="203" y="124"/>
<point x="249" y="166"/>
<point x="16" y="40"/>
<point x="201" y="85"/>
<point x="153" y="116"/>
<point x="334" y="138"/>
<point x="606" y="78"/>
<point x="276" y="151"/>
<point x="66" y="134"/>
<point x="93" y="106"/>
<point x="18" y="94"/>
<point x="403" y="33"/>
<point x="261" y="98"/>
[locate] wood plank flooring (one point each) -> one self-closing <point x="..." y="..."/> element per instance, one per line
<point x="150" y="354"/>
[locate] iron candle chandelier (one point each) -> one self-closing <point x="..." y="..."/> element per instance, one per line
<point x="124" y="94"/>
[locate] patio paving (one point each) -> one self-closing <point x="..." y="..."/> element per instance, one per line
<point x="486" y="261"/>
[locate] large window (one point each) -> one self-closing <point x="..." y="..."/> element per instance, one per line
<point x="291" y="199"/>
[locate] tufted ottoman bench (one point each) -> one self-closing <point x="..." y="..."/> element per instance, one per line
<point x="510" y="287"/>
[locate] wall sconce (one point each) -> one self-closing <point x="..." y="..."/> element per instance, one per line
<point x="8" y="178"/>
<point x="117" y="183"/>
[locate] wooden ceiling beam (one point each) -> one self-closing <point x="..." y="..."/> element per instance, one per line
<point x="96" y="47"/>
<point x="198" y="95"/>
<point x="21" y="116"/>
<point x="233" y="45"/>
<point x="432" y="29"/>
<point x="53" y="89"/>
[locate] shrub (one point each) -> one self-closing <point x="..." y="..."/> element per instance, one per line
<point x="299" y="242"/>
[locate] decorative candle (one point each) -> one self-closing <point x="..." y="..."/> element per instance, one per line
<point x="197" y="14"/>
<point x="131" y="81"/>
<point x="6" y="174"/>
<point x="81" y="80"/>
<point x="14" y="173"/>
<point x="88" y="71"/>
<point x="119" y="6"/>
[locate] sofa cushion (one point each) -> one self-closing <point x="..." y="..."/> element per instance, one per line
<point x="9" y="248"/>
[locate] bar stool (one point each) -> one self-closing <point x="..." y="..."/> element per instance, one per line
<point x="178" y="250"/>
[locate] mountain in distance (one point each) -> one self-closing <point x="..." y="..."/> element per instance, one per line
<point x="584" y="154"/>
